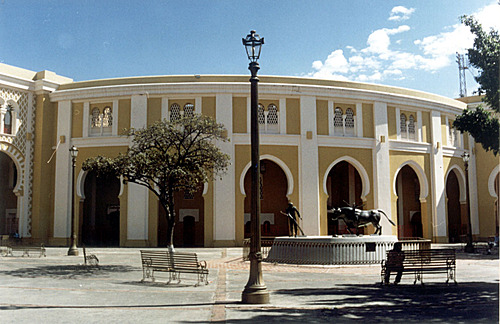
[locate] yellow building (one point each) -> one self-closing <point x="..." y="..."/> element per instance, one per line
<point x="324" y="144"/>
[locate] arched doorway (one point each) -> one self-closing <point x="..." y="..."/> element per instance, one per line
<point x="408" y="203"/>
<point x="273" y="199"/>
<point x="9" y="220"/>
<point x="189" y="227"/>
<point x="100" y="223"/>
<point x="344" y="188"/>
<point x="453" y="207"/>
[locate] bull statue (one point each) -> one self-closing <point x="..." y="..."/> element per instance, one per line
<point x="356" y="218"/>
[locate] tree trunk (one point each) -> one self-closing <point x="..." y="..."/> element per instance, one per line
<point x="170" y="231"/>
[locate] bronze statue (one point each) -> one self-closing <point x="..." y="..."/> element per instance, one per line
<point x="356" y="218"/>
<point x="292" y="212"/>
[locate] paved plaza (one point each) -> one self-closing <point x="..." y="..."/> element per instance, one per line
<point x="60" y="289"/>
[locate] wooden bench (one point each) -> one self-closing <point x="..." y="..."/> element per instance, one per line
<point x="26" y="250"/>
<point x="174" y="263"/>
<point x="419" y="262"/>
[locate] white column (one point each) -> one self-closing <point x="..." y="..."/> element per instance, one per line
<point x="138" y="196"/>
<point x="398" y="124"/>
<point x="282" y="116"/>
<point x="439" y="221"/>
<point x="86" y="119"/>
<point x="224" y="203"/>
<point x="62" y="200"/>
<point x="359" y="119"/>
<point x="419" y="126"/>
<point x="114" y="112"/>
<point x="474" y="216"/>
<point x="331" y="113"/>
<point x="381" y="166"/>
<point x="308" y="167"/>
<point x="197" y="105"/>
<point x="164" y="108"/>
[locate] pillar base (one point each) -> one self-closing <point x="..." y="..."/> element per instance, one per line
<point x="255" y="295"/>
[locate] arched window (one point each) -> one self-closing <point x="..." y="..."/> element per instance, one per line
<point x="188" y="110"/>
<point x="175" y="112"/>
<point x="107" y="117"/>
<point x="349" y="122"/>
<point x="7" y="121"/>
<point x="402" y="126"/>
<point x="338" y="122"/>
<point x="411" y="128"/>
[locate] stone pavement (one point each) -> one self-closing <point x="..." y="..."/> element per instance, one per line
<point x="59" y="289"/>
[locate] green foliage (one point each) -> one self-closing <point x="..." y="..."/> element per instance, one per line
<point x="167" y="157"/>
<point x="482" y="126"/>
<point x="485" y="56"/>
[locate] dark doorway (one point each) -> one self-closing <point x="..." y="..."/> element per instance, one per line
<point x="101" y="211"/>
<point x="453" y="207"/>
<point x="409" y="213"/>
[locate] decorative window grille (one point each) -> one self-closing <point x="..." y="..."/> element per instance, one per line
<point x="403" y="126"/>
<point x="188" y="110"/>
<point x="96" y="118"/>
<point x="261" y="117"/>
<point x="412" y="134"/>
<point x="272" y="119"/>
<point x="338" y="122"/>
<point x="175" y="112"/>
<point x="107" y="117"/>
<point x="349" y="122"/>
<point x="7" y="121"/>
<point x="261" y="187"/>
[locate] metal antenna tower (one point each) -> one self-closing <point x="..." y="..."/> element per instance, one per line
<point x="461" y="74"/>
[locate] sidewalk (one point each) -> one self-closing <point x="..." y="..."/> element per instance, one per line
<point x="59" y="289"/>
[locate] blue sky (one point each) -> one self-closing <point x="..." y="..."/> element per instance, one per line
<point x="408" y="44"/>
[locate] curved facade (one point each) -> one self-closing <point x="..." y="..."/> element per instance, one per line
<point x="324" y="144"/>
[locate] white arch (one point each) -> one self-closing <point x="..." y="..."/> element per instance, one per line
<point x="15" y="155"/>
<point x="461" y="180"/>
<point x="365" y="180"/>
<point x="491" y="181"/>
<point x="422" y="179"/>
<point x="283" y="166"/>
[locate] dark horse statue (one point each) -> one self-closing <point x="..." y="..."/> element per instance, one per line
<point x="356" y="218"/>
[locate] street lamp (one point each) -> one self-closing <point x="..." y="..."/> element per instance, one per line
<point x="73" y="250"/>
<point x="469" y="247"/>
<point x="255" y="291"/>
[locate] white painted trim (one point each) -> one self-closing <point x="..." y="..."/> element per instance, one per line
<point x="189" y="212"/>
<point x="114" y="114"/>
<point x="164" y="108"/>
<point x="331" y="113"/>
<point x="410" y="146"/>
<point x="359" y="119"/>
<point x="398" y="123"/>
<point x="419" y="126"/>
<point x="282" y="115"/>
<point x="491" y="181"/>
<point x="198" y="105"/>
<point x="280" y="163"/>
<point x="102" y="141"/>
<point x="86" y="119"/>
<point x="267" y="139"/>
<point x="365" y="180"/>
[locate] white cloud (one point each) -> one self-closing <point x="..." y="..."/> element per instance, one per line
<point x="400" y="13"/>
<point x="380" y="60"/>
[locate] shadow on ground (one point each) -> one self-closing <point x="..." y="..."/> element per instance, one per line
<point x="68" y="271"/>
<point x="475" y="302"/>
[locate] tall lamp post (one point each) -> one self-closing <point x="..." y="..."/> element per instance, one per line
<point x="469" y="247"/>
<point x="255" y="291"/>
<point x="73" y="250"/>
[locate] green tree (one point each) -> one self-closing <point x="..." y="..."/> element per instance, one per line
<point x="481" y="123"/>
<point x="166" y="157"/>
